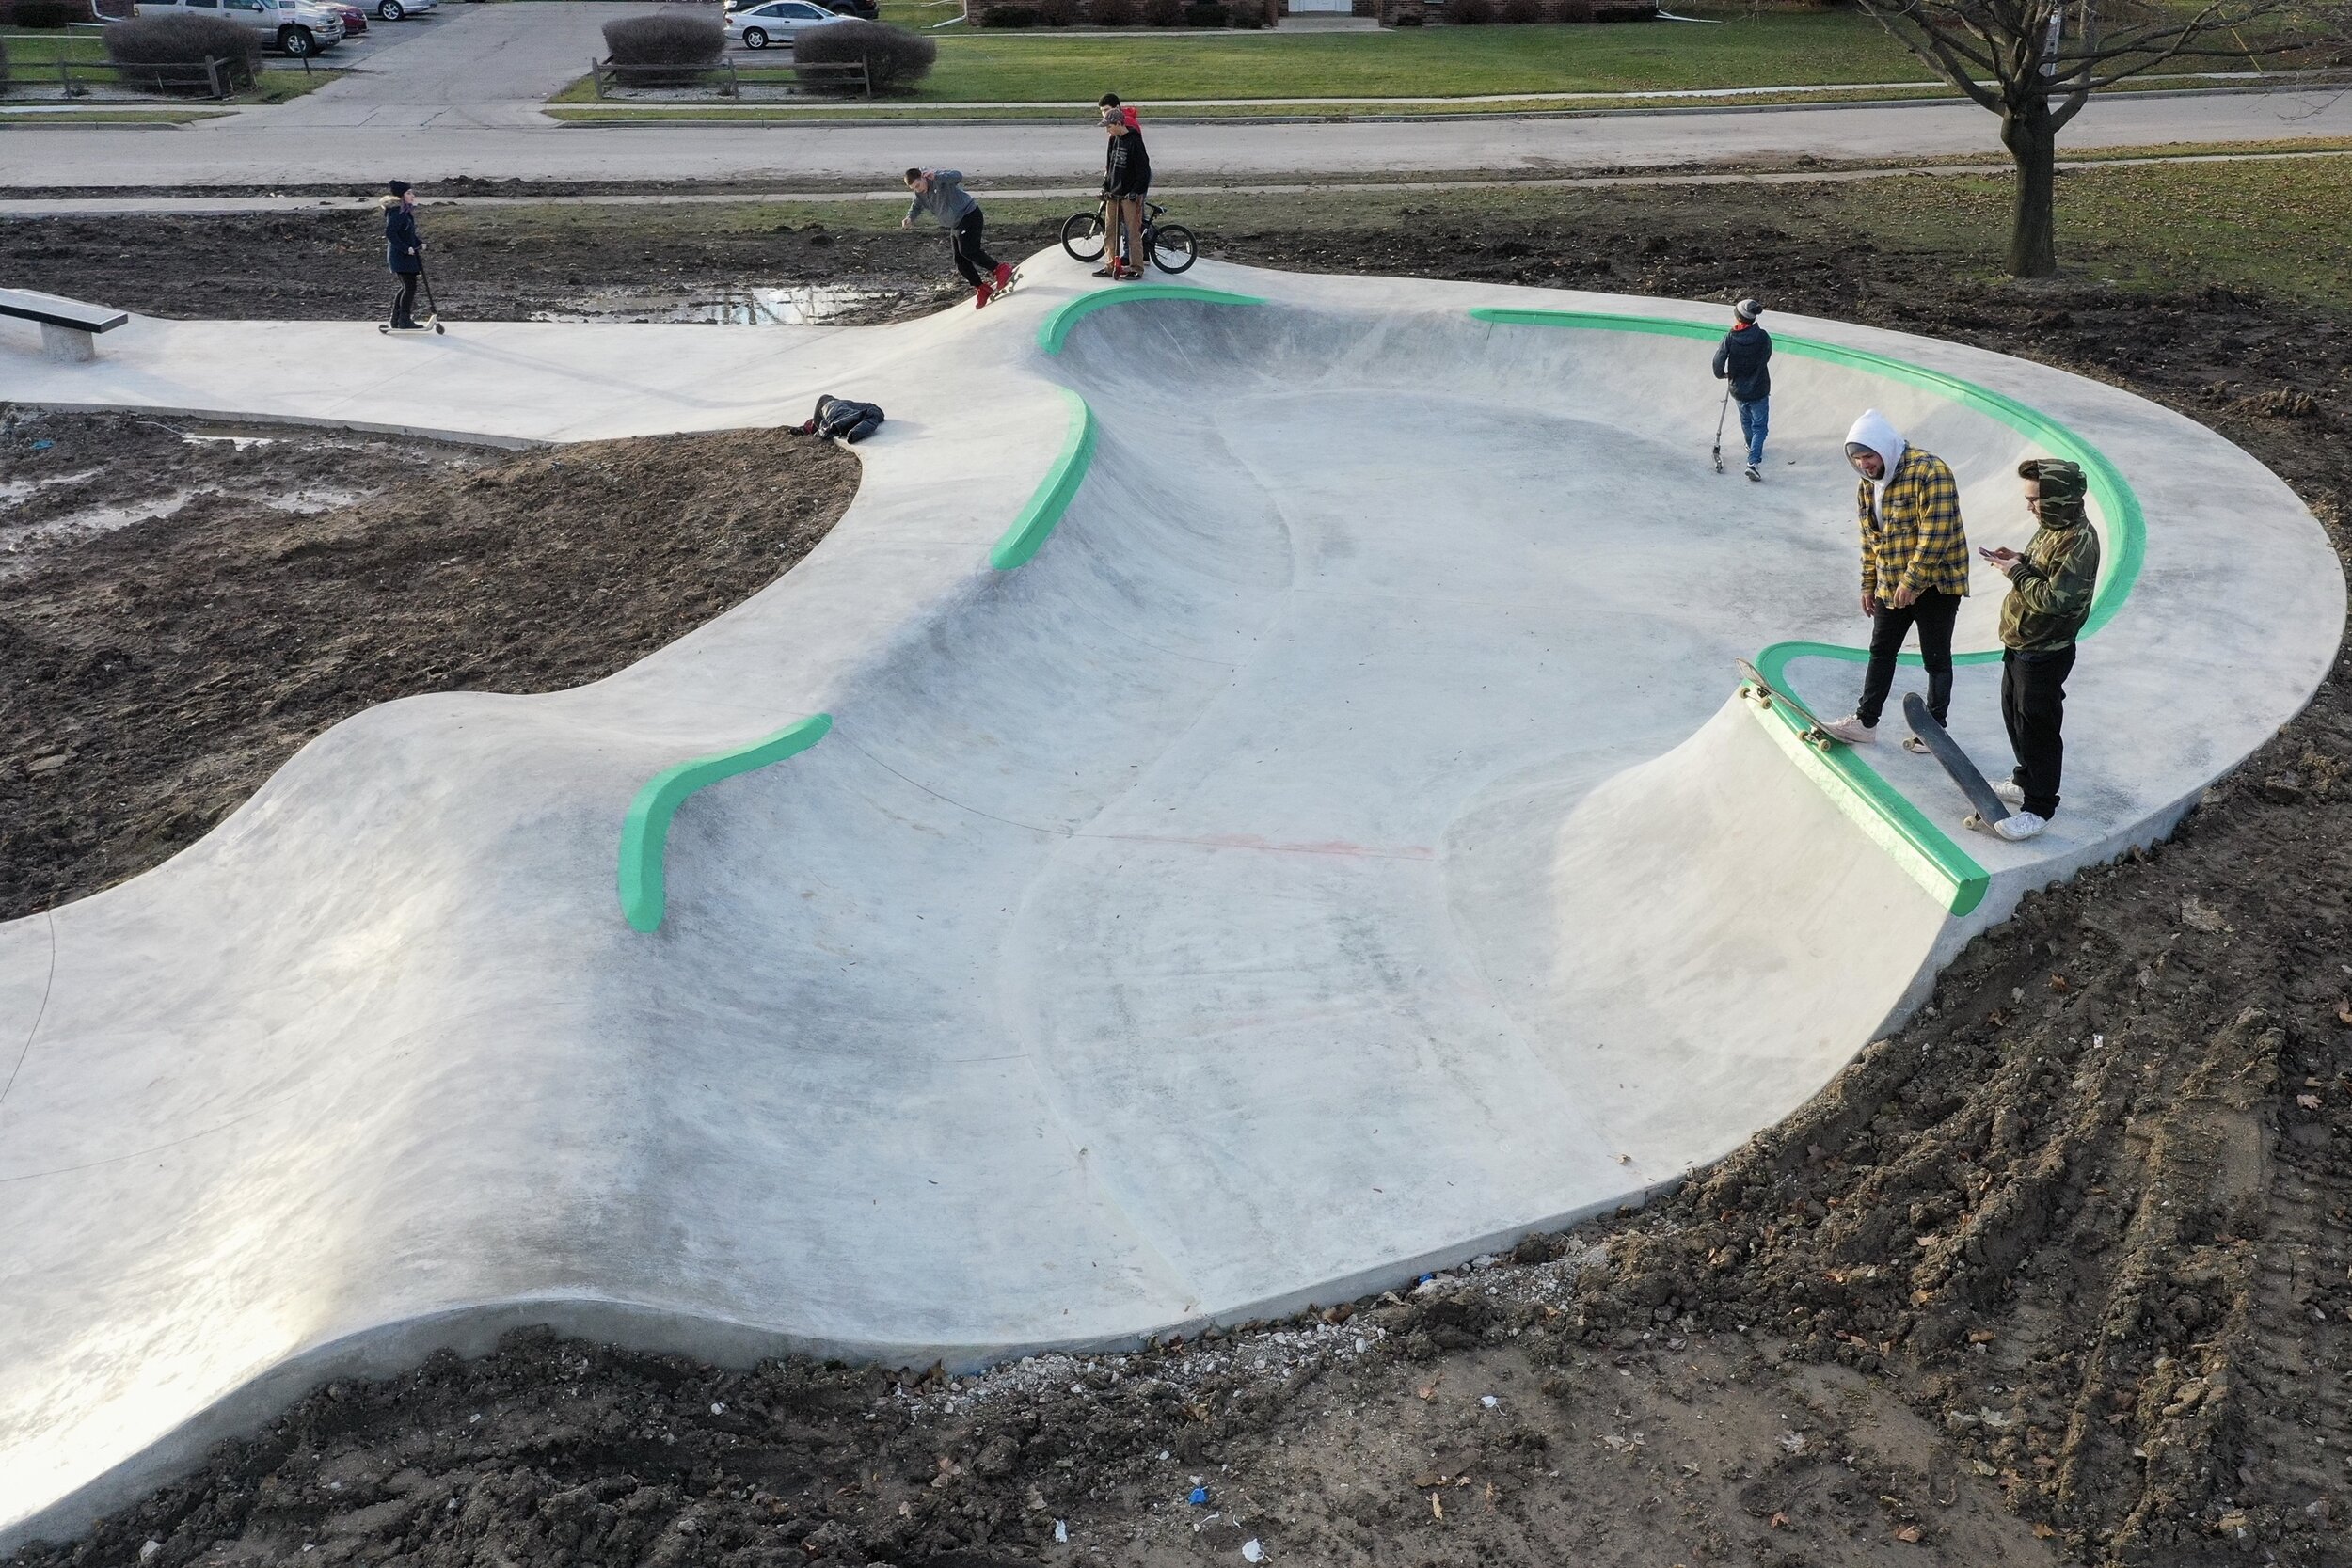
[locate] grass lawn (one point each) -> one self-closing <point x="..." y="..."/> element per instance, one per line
<point x="1771" y="50"/>
<point x="31" y="53"/>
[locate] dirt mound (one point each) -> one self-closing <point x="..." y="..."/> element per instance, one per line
<point x="177" y="617"/>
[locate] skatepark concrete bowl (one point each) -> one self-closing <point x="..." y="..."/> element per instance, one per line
<point x="1249" y="804"/>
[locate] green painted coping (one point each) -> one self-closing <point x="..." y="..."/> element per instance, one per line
<point x="646" y="831"/>
<point x="1926" y="850"/>
<point x="1026" y="535"/>
<point x="1054" y="330"/>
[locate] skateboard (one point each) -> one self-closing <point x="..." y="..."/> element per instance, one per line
<point x="1946" y="750"/>
<point x="1756" y="689"/>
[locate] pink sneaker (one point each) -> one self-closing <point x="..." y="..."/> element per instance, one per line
<point x="1003" y="275"/>
<point x="981" y="296"/>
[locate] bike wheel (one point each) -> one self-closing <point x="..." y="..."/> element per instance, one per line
<point x="1173" y="247"/>
<point x="1081" y="236"/>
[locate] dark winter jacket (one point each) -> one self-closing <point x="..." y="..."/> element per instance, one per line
<point x="1745" y="360"/>
<point x="404" y="247"/>
<point x="847" y="420"/>
<point x="2050" y="591"/>
<point x="1126" y="167"/>
<point x="946" y="201"/>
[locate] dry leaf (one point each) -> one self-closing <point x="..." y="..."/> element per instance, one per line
<point x="2044" y="1532"/>
<point x="1778" y="1521"/>
<point x="1429" y="1390"/>
<point x="1436" y="1506"/>
<point x="1909" y="1534"/>
<point x="2057" y="982"/>
<point x="2344" y="1010"/>
<point x="2309" y="1101"/>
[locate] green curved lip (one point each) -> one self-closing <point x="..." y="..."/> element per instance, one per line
<point x="1054" y="331"/>
<point x="1956" y="875"/>
<point x="1029" y="531"/>
<point x="646" y="831"/>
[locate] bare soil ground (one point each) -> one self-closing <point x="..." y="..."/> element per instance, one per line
<point x="179" y="616"/>
<point x="2061" y="1273"/>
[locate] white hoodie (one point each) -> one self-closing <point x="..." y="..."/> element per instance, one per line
<point x="1874" y="431"/>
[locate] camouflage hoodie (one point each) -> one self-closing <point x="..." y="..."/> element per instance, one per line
<point x="2050" y="591"/>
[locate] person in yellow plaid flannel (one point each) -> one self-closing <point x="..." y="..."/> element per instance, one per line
<point x="1914" y="567"/>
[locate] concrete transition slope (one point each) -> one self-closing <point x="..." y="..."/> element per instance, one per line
<point x="1250" y="803"/>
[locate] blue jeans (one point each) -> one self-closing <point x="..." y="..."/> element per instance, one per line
<point x="1753" y="417"/>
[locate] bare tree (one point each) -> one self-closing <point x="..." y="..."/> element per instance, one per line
<point x="2036" y="63"/>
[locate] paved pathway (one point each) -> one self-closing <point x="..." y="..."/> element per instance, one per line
<point x="491" y="140"/>
<point x="458" y="70"/>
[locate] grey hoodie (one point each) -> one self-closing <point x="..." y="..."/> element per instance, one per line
<point x="946" y="201"/>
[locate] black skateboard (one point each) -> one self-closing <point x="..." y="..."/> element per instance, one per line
<point x="1756" y="689"/>
<point x="1990" y="808"/>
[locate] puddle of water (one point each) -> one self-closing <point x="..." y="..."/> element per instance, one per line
<point x="21" y="546"/>
<point x="804" y="305"/>
<point x="320" y="497"/>
<point x="14" y="490"/>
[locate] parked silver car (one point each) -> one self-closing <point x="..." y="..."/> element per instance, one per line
<point x="392" y="10"/>
<point x="297" y="26"/>
<point x="776" y="22"/>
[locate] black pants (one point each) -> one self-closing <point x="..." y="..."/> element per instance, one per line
<point x="2034" y="706"/>
<point x="976" y="263"/>
<point x="404" y="302"/>
<point x="1933" y="613"/>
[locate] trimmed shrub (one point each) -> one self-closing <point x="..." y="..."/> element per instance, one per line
<point x="1520" y="12"/>
<point x="1057" y="13"/>
<point x="1626" y="10"/>
<point x="1469" y="13"/>
<point x="1250" y="15"/>
<point x="1112" y="13"/>
<point x="663" y="50"/>
<point x="1569" y="11"/>
<point x="178" y="46"/>
<point x="1407" y="13"/>
<point x="47" y="13"/>
<point x="1207" y="13"/>
<point x="1008" y="16"/>
<point x="894" y="58"/>
<point x="1163" y="13"/>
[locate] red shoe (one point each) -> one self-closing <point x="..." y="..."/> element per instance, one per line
<point x="1003" y="275"/>
<point x="980" y="296"/>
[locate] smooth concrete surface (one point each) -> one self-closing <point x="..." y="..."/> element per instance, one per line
<point x="1338" y="853"/>
<point x="246" y="149"/>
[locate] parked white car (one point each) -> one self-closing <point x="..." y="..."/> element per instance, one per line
<point x="392" y="10"/>
<point x="777" y="21"/>
<point x="297" y="26"/>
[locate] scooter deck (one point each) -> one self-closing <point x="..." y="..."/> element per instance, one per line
<point x="1946" y="750"/>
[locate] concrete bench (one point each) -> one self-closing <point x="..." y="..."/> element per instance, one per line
<point x="69" y="328"/>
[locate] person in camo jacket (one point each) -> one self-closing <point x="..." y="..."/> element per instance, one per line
<point x="2051" y="584"/>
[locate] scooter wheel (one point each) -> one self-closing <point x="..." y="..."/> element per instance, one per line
<point x="439" y="327"/>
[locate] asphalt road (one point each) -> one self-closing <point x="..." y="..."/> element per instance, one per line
<point x="458" y="95"/>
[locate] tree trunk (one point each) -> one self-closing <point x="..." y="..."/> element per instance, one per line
<point x="2032" y="143"/>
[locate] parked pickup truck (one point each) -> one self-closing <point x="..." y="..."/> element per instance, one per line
<point x="297" y="26"/>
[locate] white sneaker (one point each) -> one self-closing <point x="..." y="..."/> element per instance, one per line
<point x="1913" y="744"/>
<point x="2023" y="826"/>
<point x="2010" y="792"/>
<point x="1851" y="730"/>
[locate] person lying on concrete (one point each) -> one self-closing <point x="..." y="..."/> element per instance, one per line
<point x="1914" y="567"/>
<point x="940" y="192"/>
<point x="403" y="252"/>
<point x="843" y="420"/>
<point x="1126" y="180"/>
<point x="1745" y="360"/>
<point x="2050" y="589"/>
